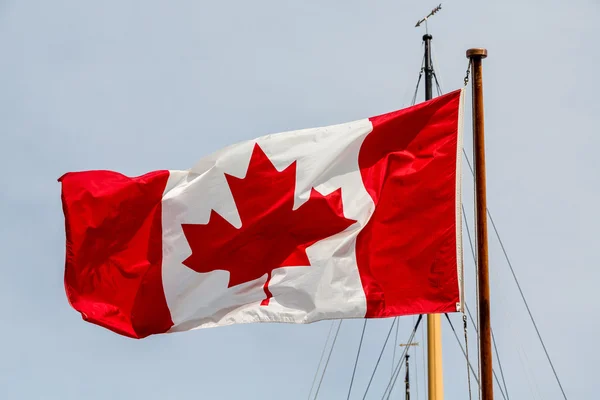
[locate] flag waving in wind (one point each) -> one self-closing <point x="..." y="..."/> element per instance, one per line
<point x="357" y="220"/>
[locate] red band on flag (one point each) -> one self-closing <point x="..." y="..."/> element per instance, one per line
<point x="406" y="253"/>
<point x="113" y="226"/>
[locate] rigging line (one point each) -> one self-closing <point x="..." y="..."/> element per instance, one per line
<point x="465" y="327"/>
<point x="328" y="357"/>
<point x="417" y="369"/>
<point x="379" y="358"/>
<point x="526" y="304"/>
<point x="392" y="381"/>
<point x="525" y="375"/>
<point x="496" y="351"/>
<point x="471" y="315"/>
<point x="400" y="363"/>
<point x="414" y="99"/>
<point x="434" y="63"/>
<point x="395" y="345"/>
<point x="321" y="359"/>
<point x="475" y="325"/>
<point x="412" y="102"/>
<point x="362" y="335"/>
<point x="469" y="363"/>
<point x="462" y="349"/>
<point x="512" y="270"/>
<point x="465" y="351"/>
<point x="499" y="363"/>
<point x="437" y="84"/>
<point x="529" y="371"/>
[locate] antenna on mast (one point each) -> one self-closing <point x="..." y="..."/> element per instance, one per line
<point x="435" y="10"/>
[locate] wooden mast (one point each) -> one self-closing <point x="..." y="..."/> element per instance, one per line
<point x="476" y="56"/>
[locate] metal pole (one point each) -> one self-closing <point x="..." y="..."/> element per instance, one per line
<point x="406" y="379"/>
<point x="435" y="378"/>
<point x="428" y="67"/>
<point x="485" y="331"/>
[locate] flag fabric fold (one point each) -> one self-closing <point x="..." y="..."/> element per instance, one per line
<point x="356" y="220"/>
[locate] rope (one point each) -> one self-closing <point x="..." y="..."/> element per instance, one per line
<point x="471" y="316"/>
<point x="519" y="287"/>
<point x="469" y="363"/>
<point x="499" y="363"/>
<point x="434" y="62"/>
<point x="392" y="381"/>
<point x="399" y="366"/>
<point x="466" y="353"/>
<point x="416" y="367"/>
<point x="414" y="99"/>
<point x="437" y="84"/>
<point x="462" y="349"/>
<point x="475" y="325"/>
<point x="321" y="359"/>
<point x="395" y="346"/>
<point x="526" y="305"/>
<point x="328" y="357"/>
<point x="357" y="355"/>
<point x="379" y="358"/>
<point x="497" y="356"/>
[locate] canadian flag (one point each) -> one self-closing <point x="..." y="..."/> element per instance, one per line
<point x="357" y="220"/>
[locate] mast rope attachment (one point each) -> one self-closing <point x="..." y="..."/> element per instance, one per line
<point x="466" y="80"/>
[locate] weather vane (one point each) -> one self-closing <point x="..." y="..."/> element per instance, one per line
<point x="435" y="10"/>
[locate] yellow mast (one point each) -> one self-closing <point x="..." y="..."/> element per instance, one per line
<point x="435" y="375"/>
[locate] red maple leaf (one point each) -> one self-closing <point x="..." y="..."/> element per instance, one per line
<point x="272" y="235"/>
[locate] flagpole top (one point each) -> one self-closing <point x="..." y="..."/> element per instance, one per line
<point x="477" y="52"/>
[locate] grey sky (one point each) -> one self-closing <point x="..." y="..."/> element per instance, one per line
<point x="135" y="86"/>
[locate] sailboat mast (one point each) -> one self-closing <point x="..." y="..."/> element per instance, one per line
<point x="434" y="323"/>
<point x="407" y="380"/>
<point x="428" y="67"/>
<point x="485" y="331"/>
